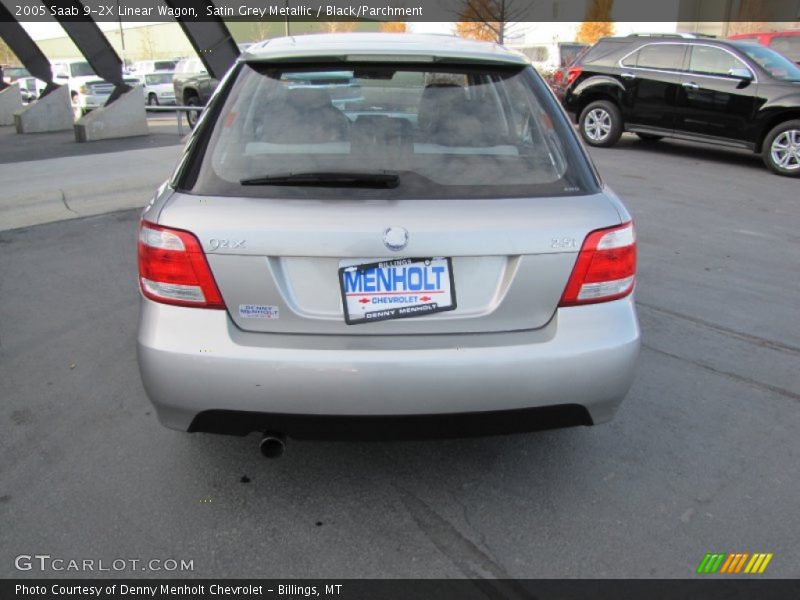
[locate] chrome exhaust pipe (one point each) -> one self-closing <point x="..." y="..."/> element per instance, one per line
<point x="272" y="445"/>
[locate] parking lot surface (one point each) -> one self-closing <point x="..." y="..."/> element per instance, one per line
<point x="15" y="148"/>
<point x="702" y="457"/>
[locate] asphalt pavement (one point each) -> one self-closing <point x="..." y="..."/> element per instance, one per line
<point x="15" y="148"/>
<point x="48" y="177"/>
<point x="702" y="457"/>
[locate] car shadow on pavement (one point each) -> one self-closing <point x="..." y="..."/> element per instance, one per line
<point x="700" y="153"/>
<point x="351" y="475"/>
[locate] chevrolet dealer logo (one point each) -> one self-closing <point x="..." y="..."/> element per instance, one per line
<point x="741" y="562"/>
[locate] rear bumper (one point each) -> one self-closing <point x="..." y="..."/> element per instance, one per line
<point x="575" y="370"/>
<point x="393" y="427"/>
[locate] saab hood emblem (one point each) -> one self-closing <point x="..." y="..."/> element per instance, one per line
<point x="395" y="238"/>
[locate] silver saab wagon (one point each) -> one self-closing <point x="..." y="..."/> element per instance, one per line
<point x="419" y="248"/>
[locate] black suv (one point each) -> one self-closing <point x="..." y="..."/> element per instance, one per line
<point x="737" y="94"/>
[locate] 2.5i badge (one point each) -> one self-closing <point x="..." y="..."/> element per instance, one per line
<point x="396" y="289"/>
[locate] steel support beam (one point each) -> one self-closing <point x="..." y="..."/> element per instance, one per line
<point x="25" y="48"/>
<point x="210" y="38"/>
<point x="94" y="46"/>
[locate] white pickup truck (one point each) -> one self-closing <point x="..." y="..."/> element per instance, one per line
<point x="87" y="89"/>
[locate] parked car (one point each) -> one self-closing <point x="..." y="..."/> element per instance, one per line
<point x="30" y="88"/>
<point x="785" y="42"/>
<point x="549" y="59"/>
<point x="730" y="93"/>
<point x="158" y="88"/>
<point x="87" y="89"/>
<point x="141" y="67"/>
<point x="193" y="86"/>
<point x="564" y="76"/>
<point x="439" y="258"/>
<point x="344" y="90"/>
<point x="11" y="74"/>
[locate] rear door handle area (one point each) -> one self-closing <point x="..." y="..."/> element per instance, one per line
<point x="690" y="85"/>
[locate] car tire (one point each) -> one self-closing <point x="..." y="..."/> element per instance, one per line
<point x="192" y="116"/>
<point x="600" y="124"/>
<point x="649" y="137"/>
<point x="781" y="149"/>
<point x="152" y="100"/>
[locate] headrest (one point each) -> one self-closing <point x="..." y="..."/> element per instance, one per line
<point x="309" y="98"/>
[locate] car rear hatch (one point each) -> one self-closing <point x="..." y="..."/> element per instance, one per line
<point x="277" y="261"/>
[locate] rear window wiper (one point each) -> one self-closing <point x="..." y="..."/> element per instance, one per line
<point x="381" y="179"/>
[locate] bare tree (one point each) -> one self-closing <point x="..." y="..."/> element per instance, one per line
<point x="261" y="30"/>
<point x="339" y="26"/>
<point x="7" y="57"/>
<point x="148" y="43"/>
<point x="753" y="13"/>
<point x="490" y="20"/>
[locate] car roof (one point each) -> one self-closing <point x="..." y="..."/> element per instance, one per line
<point x="688" y="39"/>
<point x="352" y="46"/>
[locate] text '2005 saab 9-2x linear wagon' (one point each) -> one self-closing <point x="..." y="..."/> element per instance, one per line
<point x="419" y="248"/>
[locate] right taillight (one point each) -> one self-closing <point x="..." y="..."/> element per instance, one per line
<point x="573" y="73"/>
<point x="605" y="269"/>
<point x="173" y="268"/>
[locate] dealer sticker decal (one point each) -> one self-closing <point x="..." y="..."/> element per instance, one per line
<point x="258" y="311"/>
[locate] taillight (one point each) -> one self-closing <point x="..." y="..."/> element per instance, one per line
<point x="605" y="269"/>
<point x="558" y="76"/>
<point x="573" y="73"/>
<point x="173" y="268"/>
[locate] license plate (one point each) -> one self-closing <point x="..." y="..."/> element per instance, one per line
<point x="396" y="289"/>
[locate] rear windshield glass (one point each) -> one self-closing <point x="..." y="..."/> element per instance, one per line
<point x="388" y="131"/>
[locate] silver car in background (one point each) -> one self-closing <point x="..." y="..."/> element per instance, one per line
<point x="435" y="256"/>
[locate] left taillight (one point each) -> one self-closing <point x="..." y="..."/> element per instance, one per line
<point x="573" y="73"/>
<point x="605" y="269"/>
<point x="173" y="268"/>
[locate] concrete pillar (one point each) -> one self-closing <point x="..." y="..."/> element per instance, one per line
<point x="125" y="117"/>
<point x="52" y="112"/>
<point x="10" y="102"/>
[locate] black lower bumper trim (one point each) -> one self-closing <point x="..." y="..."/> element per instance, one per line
<point x="392" y="427"/>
